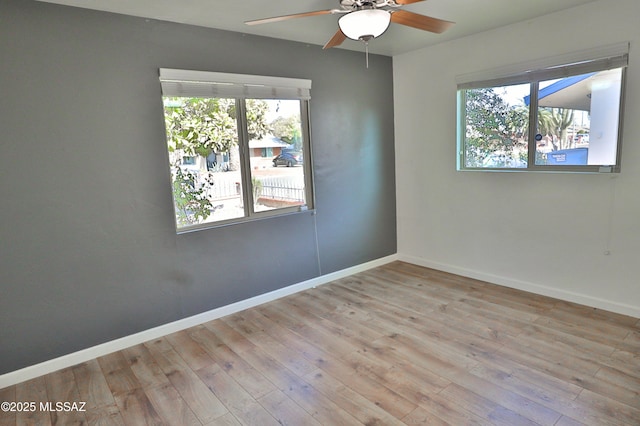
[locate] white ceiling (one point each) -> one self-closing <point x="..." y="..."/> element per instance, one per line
<point x="471" y="17"/>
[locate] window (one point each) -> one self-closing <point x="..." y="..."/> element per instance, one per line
<point x="238" y="146"/>
<point x="189" y="161"/>
<point x="565" y="116"/>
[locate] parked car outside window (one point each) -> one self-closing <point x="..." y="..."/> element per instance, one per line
<point x="288" y="158"/>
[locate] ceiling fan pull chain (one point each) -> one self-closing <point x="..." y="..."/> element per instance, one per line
<point x="366" y="50"/>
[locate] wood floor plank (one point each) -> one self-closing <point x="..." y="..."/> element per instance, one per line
<point x="613" y="411"/>
<point x="8" y="395"/>
<point x="363" y="409"/>
<point x="321" y="408"/>
<point x="105" y="416"/>
<point x="171" y="406"/>
<point x="554" y="364"/>
<point x="421" y="416"/>
<point x="317" y="331"/>
<point x="201" y="401"/>
<point x="253" y="331"/>
<point x="568" y="342"/>
<point x="92" y="386"/>
<point x="353" y="322"/>
<point x="230" y="337"/>
<point x="113" y="361"/>
<point x="136" y="408"/>
<point x="233" y="364"/>
<point x="193" y="354"/>
<point x="586" y="312"/>
<point x="437" y="358"/>
<point x="402" y="376"/>
<point x="61" y="388"/>
<point x="627" y="362"/>
<point x="361" y="382"/>
<point x="397" y="344"/>
<point x="633" y="338"/>
<point x="145" y="368"/>
<point x="615" y="384"/>
<point x="588" y="325"/>
<point x="227" y="420"/>
<point x="631" y="343"/>
<point x="238" y="401"/>
<point x="568" y="421"/>
<point x="34" y="390"/>
<point x="405" y="386"/>
<point x="120" y="381"/>
<point x="285" y="411"/>
<point x="531" y="384"/>
<point x="580" y="331"/>
<point x="299" y="390"/>
<point x="551" y="350"/>
<point x="455" y="413"/>
<point x="544" y="390"/>
<point x="488" y="410"/>
<point x="523" y="406"/>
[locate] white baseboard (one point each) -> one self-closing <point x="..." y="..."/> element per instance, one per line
<point x="542" y="290"/>
<point x="84" y="355"/>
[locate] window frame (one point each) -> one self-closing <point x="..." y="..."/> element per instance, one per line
<point x="242" y="87"/>
<point x="596" y="60"/>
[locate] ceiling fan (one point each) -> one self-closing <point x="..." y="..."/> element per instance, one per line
<point x="367" y="19"/>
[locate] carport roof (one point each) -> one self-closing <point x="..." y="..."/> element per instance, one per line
<point x="571" y="92"/>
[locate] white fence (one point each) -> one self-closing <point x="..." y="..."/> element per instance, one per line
<point x="288" y="188"/>
<point x="283" y="188"/>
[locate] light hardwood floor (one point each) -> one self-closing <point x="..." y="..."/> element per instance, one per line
<point x="398" y="344"/>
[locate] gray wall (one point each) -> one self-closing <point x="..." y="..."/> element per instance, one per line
<point x="88" y="249"/>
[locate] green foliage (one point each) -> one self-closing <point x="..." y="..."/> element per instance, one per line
<point x="199" y="126"/>
<point x="257" y="118"/>
<point x="192" y="205"/>
<point x="492" y="125"/>
<point x="256" y="184"/>
<point x="289" y="130"/>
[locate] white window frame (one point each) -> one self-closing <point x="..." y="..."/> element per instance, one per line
<point x="205" y="84"/>
<point x="592" y="60"/>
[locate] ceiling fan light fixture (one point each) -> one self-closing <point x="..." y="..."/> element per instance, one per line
<point x="364" y="24"/>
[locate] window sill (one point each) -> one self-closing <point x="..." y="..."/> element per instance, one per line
<point x="233" y="222"/>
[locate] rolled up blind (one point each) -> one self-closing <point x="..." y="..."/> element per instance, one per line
<point x="205" y="84"/>
<point x="575" y="63"/>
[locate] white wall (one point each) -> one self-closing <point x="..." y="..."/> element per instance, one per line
<point x="546" y="233"/>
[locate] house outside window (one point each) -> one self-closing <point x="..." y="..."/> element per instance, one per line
<point x="231" y="127"/>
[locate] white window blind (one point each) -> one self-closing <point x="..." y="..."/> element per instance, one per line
<point x="186" y="83"/>
<point x="575" y="63"/>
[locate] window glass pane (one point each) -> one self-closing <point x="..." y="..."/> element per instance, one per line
<point x="202" y="138"/>
<point x="277" y="153"/>
<point x="496" y="127"/>
<point x="578" y="119"/>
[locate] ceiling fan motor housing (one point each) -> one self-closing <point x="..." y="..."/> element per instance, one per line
<point x="364" y="24"/>
<point x="368" y="4"/>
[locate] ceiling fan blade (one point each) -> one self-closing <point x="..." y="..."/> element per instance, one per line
<point x="285" y="17"/>
<point x="336" y="40"/>
<point x="407" y="1"/>
<point x="420" y="22"/>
